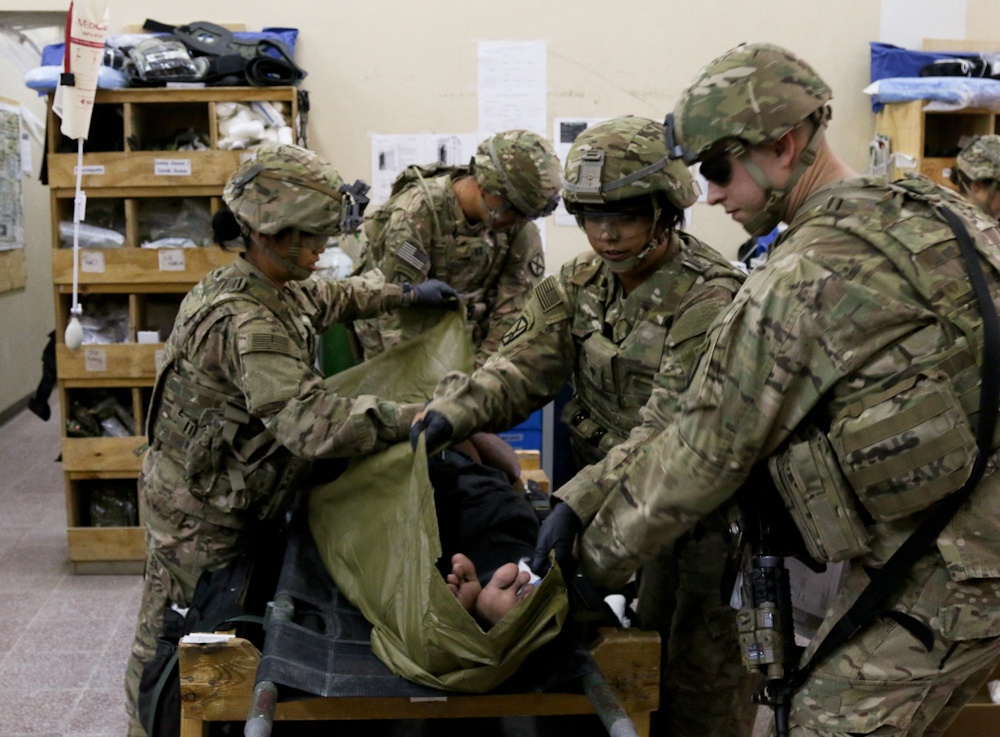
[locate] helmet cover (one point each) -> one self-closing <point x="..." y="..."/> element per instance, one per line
<point x="522" y="167"/>
<point x="286" y="186"/>
<point x="755" y="93"/>
<point x="980" y="159"/>
<point x="621" y="159"/>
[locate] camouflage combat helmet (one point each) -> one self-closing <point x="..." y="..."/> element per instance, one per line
<point x="624" y="158"/>
<point x="980" y="159"/>
<point x="288" y="186"/>
<point x="754" y="93"/>
<point x="750" y="95"/>
<point x="521" y="167"/>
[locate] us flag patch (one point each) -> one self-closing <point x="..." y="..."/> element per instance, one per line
<point x="269" y="343"/>
<point x="411" y="255"/>
<point x="548" y="295"/>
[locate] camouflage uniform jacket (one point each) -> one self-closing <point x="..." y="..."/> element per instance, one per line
<point x="421" y="233"/>
<point x="581" y="326"/>
<point x="239" y="409"/>
<point x="828" y="327"/>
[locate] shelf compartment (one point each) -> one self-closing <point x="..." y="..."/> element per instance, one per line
<point x="944" y="130"/>
<point x="102" y="500"/>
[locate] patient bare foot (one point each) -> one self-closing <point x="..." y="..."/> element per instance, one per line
<point x="462" y="582"/>
<point x="505" y="590"/>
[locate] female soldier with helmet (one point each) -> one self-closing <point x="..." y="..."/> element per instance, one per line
<point x="238" y="409"/>
<point x="625" y="324"/>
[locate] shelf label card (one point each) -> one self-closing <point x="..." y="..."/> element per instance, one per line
<point x="172" y="259"/>
<point x="89" y="170"/>
<point x="95" y="359"/>
<point x="172" y="167"/>
<point x="92" y="262"/>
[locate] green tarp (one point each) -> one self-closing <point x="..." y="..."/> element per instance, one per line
<point x="376" y="530"/>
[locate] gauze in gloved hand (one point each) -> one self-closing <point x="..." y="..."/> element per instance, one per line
<point x="559" y="532"/>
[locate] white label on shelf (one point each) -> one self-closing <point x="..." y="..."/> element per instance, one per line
<point x="171" y="259"/>
<point x="172" y="167"/>
<point x="95" y="359"/>
<point x="92" y="262"/>
<point x="89" y="170"/>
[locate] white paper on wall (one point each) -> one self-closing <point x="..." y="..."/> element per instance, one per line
<point x="512" y="86"/>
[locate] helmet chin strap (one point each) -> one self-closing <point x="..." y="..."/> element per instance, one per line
<point x="654" y="243"/>
<point x="289" y="264"/>
<point x="770" y="215"/>
<point x="492" y="214"/>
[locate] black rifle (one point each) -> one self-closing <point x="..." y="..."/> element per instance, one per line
<point x="765" y="628"/>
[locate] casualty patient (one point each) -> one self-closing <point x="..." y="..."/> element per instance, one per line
<point x="394" y="525"/>
<point x="490" y="527"/>
<point x="428" y="549"/>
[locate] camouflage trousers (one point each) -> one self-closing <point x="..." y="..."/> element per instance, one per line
<point x="704" y="688"/>
<point x="883" y="681"/>
<point x="179" y="548"/>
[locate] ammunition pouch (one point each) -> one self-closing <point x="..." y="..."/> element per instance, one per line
<point x="905" y="448"/>
<point x="818" y="497"/>
<point x="229" y="461"/>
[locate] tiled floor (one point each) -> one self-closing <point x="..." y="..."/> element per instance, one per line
<point x="64" y="638"/>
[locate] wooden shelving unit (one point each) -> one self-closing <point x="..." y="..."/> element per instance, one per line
<point x="931" y="138"/>
<point x="145" y="284"/>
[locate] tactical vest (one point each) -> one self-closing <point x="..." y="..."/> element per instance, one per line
<point x="470" y="263"/>
<point x="234" y="471"/>
<point x="893" y="449"/>
<point x="616" y="363"/>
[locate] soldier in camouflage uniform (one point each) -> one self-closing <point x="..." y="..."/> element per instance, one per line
<point x="238" y="408"/>
<point x="977" y="173"/>
<point x="848" y="366"/>
<point x="617" y="321"/>
<point x="469" y="226"/>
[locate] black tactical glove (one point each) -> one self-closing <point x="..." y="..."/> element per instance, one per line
<point x="431" y="293"/>
<point x="438" y="429"/>
<point x="559" y="532"/>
